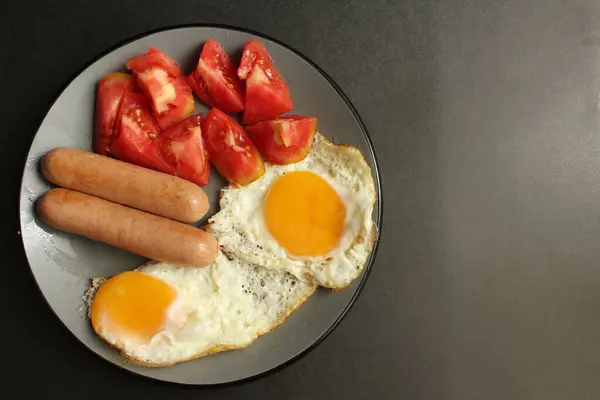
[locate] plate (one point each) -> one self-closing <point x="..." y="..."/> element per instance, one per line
<point x="62" y="264"/>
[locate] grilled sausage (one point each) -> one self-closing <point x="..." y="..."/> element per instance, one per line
<point x="145" y="234"/>
<point x="124" y="183"/>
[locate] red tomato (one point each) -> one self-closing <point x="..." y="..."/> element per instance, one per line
<point x="254" y="53"/>
<point x="230" y="150"/>
<point x="215" y="81"/>
<point x="284" y="140"/>
<point x="108" y="98"/>
<point x="162" y="80"/>
<point x="267" y="95"/>
<point x="180" y="106"/>
<point x="182" y="146"/>
<point x="155" y="58"/>
<point x="136" y="134"/>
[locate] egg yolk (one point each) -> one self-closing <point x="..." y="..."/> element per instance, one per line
<point x="133" y="305"/>
<point x="304" y="214"/>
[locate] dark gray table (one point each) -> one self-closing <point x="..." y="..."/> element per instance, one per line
<point x="484" y="115"/>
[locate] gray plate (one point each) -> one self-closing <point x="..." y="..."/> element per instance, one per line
<point x="63" y="264"/>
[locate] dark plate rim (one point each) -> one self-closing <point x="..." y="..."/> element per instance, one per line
<point x="375" y="168"/>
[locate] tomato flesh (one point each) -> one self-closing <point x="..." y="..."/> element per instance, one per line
<point x="215" y="81"/>
<point x="284" y="140"/>
<point x="267" y="94"/>
<point x="136" y="134"/>
<point x="162" y="80"/>
<point x="179" y="106"/>
<point x="109" y="93"/>
<point x="183" y="148"/>
<point x="254" y="53"/>
<point x="230" y="150"/>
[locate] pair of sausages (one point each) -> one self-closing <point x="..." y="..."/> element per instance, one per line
<point x="123" y="205"/>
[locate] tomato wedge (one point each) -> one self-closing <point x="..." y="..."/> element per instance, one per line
<point x="267" y="95"/>
<point x="285" y="140"/>
<point x="162" y="80"/>
<point x="109" y="92"/>
<point x="215" y="81"/>
<point x="230" y="150"/>
<point x="183" y="148"/>
<point x="136" y="134"/>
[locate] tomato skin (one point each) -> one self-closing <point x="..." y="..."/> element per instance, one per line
<point x="109" y="92"/>
<point x="285" y="140"/>
<point x="230" y="150"/>
<point x="183" y="148"/>
<point x="267" y="94"/>
<point x="215" y="80"/>
<point x="155" y="58"/>
<point x="199" y="88"/>
<point x="136" y="134"/>
<point x="162" y="80"/>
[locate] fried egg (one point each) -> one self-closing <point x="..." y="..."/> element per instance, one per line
<point x="162" y="314"/>
<point x="312" y="219"/>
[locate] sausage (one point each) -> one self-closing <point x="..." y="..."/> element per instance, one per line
<point x="124" y="183"/>
<point x="139" y="232"/>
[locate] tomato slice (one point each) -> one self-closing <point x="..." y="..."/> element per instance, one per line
<point x="284" y="140"/>
<point x="109" y="92"/>
<point x="136" y="134"/>
<point x="162" y="80"/>
<point x="267" y="94"/>
<point x="183" y="148"/>
<point x="230" y="150"/>
<point x="215" y="81"/>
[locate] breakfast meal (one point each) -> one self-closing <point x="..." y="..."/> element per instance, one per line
<point x="296" y="213"/>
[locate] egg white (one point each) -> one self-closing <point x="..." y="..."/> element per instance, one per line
<point x="224" y="306"/>
<point x="241" y="230"/>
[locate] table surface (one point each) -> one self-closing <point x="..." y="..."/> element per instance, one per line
<point x="484" y="116"/>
